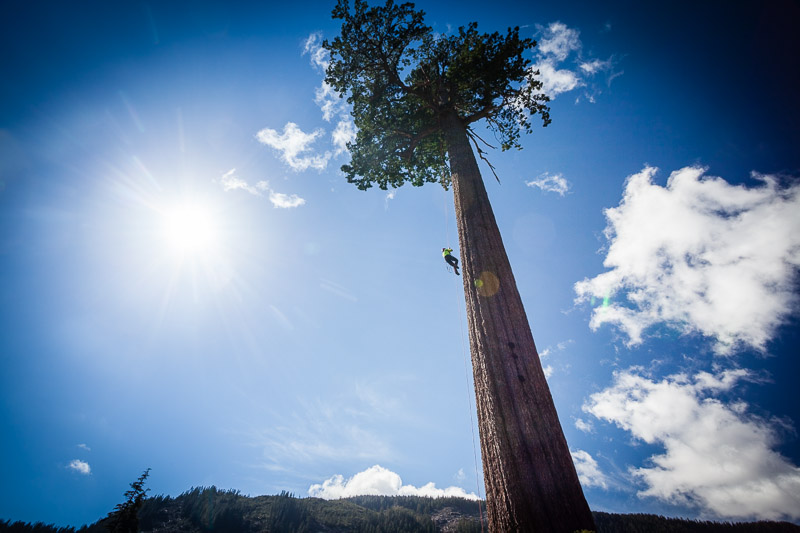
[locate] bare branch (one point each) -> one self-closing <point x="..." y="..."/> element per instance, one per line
<point x="472" y="136"/>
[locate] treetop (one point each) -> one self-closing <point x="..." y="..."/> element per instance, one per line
<point x="402" y="78"/>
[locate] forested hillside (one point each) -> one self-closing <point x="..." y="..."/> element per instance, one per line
<point x="206" y="510"/>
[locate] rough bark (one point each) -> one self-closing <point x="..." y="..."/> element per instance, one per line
<point x="531" y="482"/>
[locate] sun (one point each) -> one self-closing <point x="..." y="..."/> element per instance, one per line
<point x="190" y="229"/>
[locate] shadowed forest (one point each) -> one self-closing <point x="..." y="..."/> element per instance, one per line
<point x="207" y="510"/>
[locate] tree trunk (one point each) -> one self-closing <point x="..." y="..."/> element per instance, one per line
<point x="531" y="482"/>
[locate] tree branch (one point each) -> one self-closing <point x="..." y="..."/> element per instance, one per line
<point x="483" y="113"/>
<point x="472" y="136"/>
<point x="415" y="139"/>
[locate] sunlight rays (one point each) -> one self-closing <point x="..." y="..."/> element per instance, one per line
<point x="190" y="229"/>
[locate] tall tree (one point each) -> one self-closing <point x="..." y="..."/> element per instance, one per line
<point x="415" y="96"/>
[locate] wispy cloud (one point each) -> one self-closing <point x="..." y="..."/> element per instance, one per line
<point x="231" y="182"/>
<point x="293" y="144"/>
<point x="701" y="255"/>
<point x="588" y="471"/>
<point x="328" y="101"/>
<point x="337" y="289"/>
<point x="343" y="428"/>
<point x="388" y="198"/>
<point x="323" y="432"/>
<point x="583" y="425"/>
<point x="717" y="456"/>
<point x="318" y="55"/>
<point x="550" y="183"/>
<point x="84" y="447"/>
<point x="325" y="96"/>
<point x="285" y="201"/>
<point x="379" y="481"/>
<point x="561" y="65"/>
<point x="594" y="66"/>
<point x="547" y="352"/>
<point x="344" y="133"/>
<point x="82" y="467"/>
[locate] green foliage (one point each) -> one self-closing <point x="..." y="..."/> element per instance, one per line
<point x="38" y="527"/>
<point x="289" y="514"/>
<point x="419" y="504"/>
<point x="205" y="510"/>
<point x="469" y="526"/>
<point x="125" y="516"/>
<point x="209" y="509"/>
<point x="402" y="79"/>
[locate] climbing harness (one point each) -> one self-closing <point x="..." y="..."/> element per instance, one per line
<point x="450" y="259"/>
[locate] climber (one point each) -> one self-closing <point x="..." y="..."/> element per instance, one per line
<point x="451" y="259"/>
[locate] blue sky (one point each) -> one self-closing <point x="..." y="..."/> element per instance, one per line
<point x="188" y="283"/>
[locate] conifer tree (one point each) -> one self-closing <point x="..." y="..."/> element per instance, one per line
<point x="125" y="516"/>
<point x="415" y="96"/>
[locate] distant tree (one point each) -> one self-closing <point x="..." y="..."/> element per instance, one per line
<point x="415" y="96"/>
<point x="125" y="516"/>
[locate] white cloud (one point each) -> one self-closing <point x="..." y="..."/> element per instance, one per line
<point x="555" y="81"/>
<point x="325" y="96"/>
<point x="594" y="66"/>
<point x="700" y="255"/>
<point x="82" y="467"/>
<point x="550" y="183"/>
<point x="379" y="481"/>
<point x="292" y="144"/>
<point x="560" y="347"/>
<point x="328" y="101"/>
<point x="716" y="456"/>
<point x="231" y="182"/>
<point x="84" y="447"/>
<point x="285" y="201"/>
<point x="583" y="425"/>
<point x="318" y="55"/>
<point x="557" y="44"/>
<point x="559" y="41"/>
<point x="331" y="105"/>
<point x="588" y="471"/>
<point x="344" y="133"/>
<point x="389" y="196"/>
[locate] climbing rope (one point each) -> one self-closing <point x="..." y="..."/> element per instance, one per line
<point x="465" y="353"/>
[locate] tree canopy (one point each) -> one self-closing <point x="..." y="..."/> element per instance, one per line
<point x="402" y="78"/>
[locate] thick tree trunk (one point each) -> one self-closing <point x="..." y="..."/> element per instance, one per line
<point x="531" y="482"/>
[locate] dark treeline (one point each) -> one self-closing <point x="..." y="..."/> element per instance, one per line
<point x="649" y="523"/>
<point x="208" y="509"/>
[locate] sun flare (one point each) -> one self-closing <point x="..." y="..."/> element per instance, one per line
<point x="190" y="230"/>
